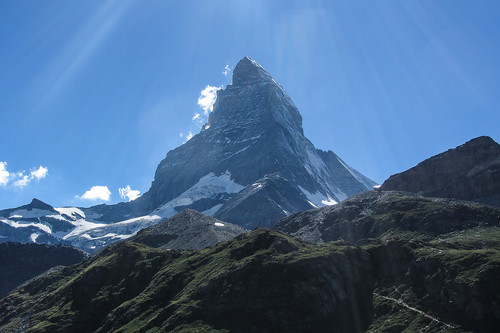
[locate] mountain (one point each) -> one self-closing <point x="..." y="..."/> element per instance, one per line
<point x="469" y="172"/>
<point x="253" y="135"/>
<point x="187" y="230"/>
<point x="263" y="281"/>
<point x="21" y="262"/>
<point x="250" y="165"/>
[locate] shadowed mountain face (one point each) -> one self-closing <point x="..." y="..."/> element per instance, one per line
<point x="469" y="172"/>
<point x="254" y="132"/>
<point x="21" y="262"/>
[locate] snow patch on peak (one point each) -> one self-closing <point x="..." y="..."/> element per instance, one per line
<point x="218" y="224"/>
<point x="33" y="237"/>
<point x="207" y="187"/>
<point x="71" y="211"/>
<point x="317" y="199"/>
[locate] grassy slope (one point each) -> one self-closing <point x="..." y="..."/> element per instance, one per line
<point x="134" y="288"/>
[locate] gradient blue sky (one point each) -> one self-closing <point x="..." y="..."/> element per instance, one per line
<point x="97" y="92"/>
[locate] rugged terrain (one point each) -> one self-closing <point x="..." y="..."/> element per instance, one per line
<point x="470" y="172"/>
<point x="264" y="281"/>
<point x="435" y="261"/>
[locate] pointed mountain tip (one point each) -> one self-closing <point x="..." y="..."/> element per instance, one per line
<point x="39" y="204"/>
<point x="248" y="70"/>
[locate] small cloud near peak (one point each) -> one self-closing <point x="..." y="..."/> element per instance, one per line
<point x="97" y="193"/>
<point x="207" y="98"/>
<point x="128" y="193"/>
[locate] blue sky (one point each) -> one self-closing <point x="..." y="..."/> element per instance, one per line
<point x="95" y="93"/>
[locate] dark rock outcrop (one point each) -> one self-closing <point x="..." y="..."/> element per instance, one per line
<point x="21" y="262"/>
<point x="468" y="172"/>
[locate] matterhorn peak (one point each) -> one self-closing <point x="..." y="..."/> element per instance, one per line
<point x="229" y="169"/>
<point x="249" y="71"/>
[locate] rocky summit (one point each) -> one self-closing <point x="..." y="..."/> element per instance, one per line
<point x="470" y="172"/>
<point x="254" y="134"/>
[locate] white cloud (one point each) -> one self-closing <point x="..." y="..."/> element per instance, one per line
<point x="39" y="173"/>
<point x="23" y="181"/>
<point x="20" y="179"/>
<point x="226" y="71"/>
<point x="4" y="174"/>
<point x="207" y="98"/>
<point x="128" y="193"/>
<point x="196" y="116"/>
<point x="97" y="193"/>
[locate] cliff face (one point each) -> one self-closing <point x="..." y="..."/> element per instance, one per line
<point x="469" y="172"/>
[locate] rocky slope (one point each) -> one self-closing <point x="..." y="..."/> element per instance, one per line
<point x="189" y="230"/>
<point x="469" y="172"/>
<point x="434" y="261"/>
<point x="21" y="262"/>
<point x="371" y="215"/>
<point x="263" y="281"/>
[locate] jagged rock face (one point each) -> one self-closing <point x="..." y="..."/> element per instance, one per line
<point x="263" y="281"/>
<point x="21" y="262"/>
<point x="469" y="172"/>
<point x="254" y="131"/>
<point x="188" y="230"/>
